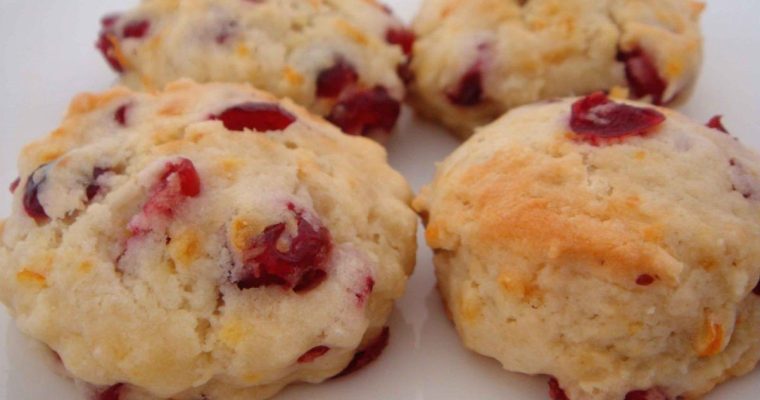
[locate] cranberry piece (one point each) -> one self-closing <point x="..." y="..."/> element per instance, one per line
<point x="642" y="75"/>
<point x="106" y="45"/>
<point x="716" y="122"/>
<point x="405" y="73"/>
<point x="120" y="116"/>
<point x="109" y="21"/>
<point x="757" y="289"/>
<point x="369" y="354"/>
<point x="31" y="199"/>
<point x="112" y="393"/>
<point x="363" y="112"/>
<point x="14" y="185"/>
<point x="336" y="79"/>
<point x="645" y="280"/>
<point x="300" y="267"/>
<point x="225" y="32"/>
<point x="178" y="181"/>
<point x="136" y="29"/>
<point x="259" y="117"/>
<point x="93" y="188"/>
<point x="596" y="117"/>
<point x="468" y="92"/>
<point x="310" y="280"/>
<point x="313" y="354"/>
<point x="366" y="290"/>
<point x="555" y="391"/>
<point x="652" y="394"/>
<point x="402" y="37"/>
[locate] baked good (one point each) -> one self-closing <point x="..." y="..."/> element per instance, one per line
<point x="339" y="58"/>
<point x="474" y="60"/>
<point x="611" y="245"/>
<point x="206" y="242"/>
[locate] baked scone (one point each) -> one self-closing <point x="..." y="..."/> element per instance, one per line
<point x="206" y="242"/>
<point x="474" y="60"/>
<point x="339" y="58"/>
<point x="613" y="246"/>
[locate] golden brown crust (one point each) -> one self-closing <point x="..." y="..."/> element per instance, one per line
<point x="614" y="267"/>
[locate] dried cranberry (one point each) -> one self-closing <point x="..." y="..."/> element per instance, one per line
<point x="555" y="391"/>
<point x="109" y="20"/>
<point x="106" y="45"/>
<point x="365" y="291"/>
<point x="310" y="280"/>
<point x="401" y="37"/>
<point x="93" y="188"/>
<point x="14" y="185"/>
<point x="468" y="92"/>
<point x="313" y="354"/>
<point x="120" y="116"/>
<point x="336" y="79"/>
<point x="645" y="280"/>
<point x="112" y="393"/>
<point x="757" y="289"/>
<point x="259" y="117"/>
<point x="225" y="32"/>
<point x="716" y="122"/>
<point x="367" y="111"/>
<point x="136" y="29"/>
<point x="643" y="77"/>
<point x="178" y="181"/>
<point x="31" y="199"/>
<point x="369" y="354"/>
<point x="596" y="117"/>
<point x="652" y="394"/>
<point x="405" y="73"/>
<point x="300" y="267"/>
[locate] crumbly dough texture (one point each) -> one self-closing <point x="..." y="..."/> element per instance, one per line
<point x="544" y="49"/>
<point x="158" y="311"/>
<point x="279" y="46"/>
<point x="544" y="246"/>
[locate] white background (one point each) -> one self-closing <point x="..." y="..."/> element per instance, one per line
<point x="47" y="55"/>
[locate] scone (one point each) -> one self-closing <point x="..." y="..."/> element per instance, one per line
<point x="474" y="60"/>
<point x="206" y="242"/>
<point x="613" y="246"/>
<point x="339" y="58"/>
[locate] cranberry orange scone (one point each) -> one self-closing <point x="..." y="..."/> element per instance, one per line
<point x="339" y="58"/>
<point x="474" y="60"/>
<point x="207" y="242"/>
<point x="613" y="246"/>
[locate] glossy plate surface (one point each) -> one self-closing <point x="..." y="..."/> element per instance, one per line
<point x="47" y="55"/>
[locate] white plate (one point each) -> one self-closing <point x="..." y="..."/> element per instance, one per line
<point x="47" y="55"/>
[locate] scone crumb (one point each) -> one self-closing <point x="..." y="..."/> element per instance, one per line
<point x="292" y="76"/>
<point x="710" y="342"/>
<point x="230" y="167"/>
<point x="85" y="267"/>
<point x="352" y="32"/>
<point x="31" y="277"/>
<point x="232" y="333"/>
<point x="243" y="51"/>
<point x="243" y="230"/>
<point x="253" y="378"/>
<point x="620" y="92"/>
<point x="471" y="310"/>
<point x="185" y="248"/>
